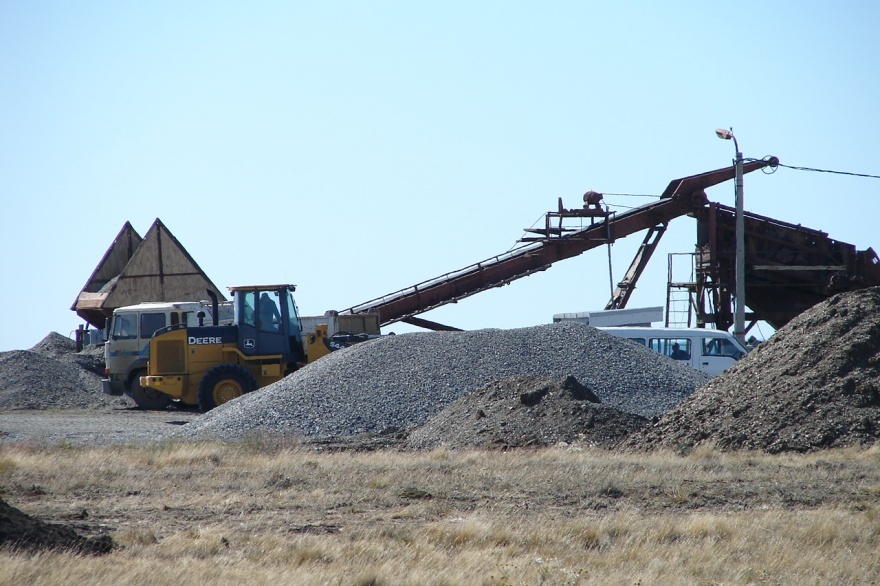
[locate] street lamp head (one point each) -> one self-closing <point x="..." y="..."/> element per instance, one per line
<point x="725" y="134"/>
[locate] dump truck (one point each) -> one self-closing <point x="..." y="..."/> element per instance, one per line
<point x="208" y="365"/>
<point x="128" y="332"/>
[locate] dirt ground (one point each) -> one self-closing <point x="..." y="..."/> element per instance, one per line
<point x="74" y="428"/>
<point x="91" y="427"/>
<point x="814" y="385"/>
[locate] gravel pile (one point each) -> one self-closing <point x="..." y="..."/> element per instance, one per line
<point x="62" y="348"/>
<point x="399" y="382"/>
<point x="814" y="385"/>
<point x="52" y="375"/>
<point x="522" y="411"/>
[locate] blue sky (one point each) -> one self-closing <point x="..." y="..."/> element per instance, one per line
<point x="357" y="148"/>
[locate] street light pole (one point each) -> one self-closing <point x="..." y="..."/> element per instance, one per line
<point x="739" y="324"/>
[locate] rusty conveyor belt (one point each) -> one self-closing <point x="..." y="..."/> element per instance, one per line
<point x="681" y="197"/>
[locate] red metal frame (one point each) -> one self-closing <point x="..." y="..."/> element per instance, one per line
<point x="556" y="243"/>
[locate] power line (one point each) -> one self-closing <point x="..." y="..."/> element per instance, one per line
<point x="827" y="171"/>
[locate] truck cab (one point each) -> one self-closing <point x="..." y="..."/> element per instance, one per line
<point x="128" y="334"/>
<point x="711" y="351"/>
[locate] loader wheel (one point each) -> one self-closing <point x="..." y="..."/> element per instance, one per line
<point x="145" y="397"/>
<point x="224" y="383"/>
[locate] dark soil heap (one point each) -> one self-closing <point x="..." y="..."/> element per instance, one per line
<point x="23" y="532"/>
<point x="53" y="375"/>
<point x="814" y="385"/>
<point x="524" y="410"/>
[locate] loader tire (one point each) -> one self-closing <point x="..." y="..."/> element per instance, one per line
<point x="145" y="397"/>
<point x="224" y="383"/>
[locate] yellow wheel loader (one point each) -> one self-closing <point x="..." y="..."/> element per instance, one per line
<point x="211" y="365"/>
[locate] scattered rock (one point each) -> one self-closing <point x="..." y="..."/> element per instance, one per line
<point x="54" y="345"/>
<point x="814" y="385"/>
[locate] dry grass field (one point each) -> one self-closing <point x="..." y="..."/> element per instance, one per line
<point x="273" y="514"/>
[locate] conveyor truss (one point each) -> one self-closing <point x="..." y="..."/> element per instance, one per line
<point x="789" y="268"/>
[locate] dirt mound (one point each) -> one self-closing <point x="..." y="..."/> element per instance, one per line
<point x="23" y="532"/>
<point x="522" y="411"/>
<point x="52" y="375"/>
<point x="814" y="385"/>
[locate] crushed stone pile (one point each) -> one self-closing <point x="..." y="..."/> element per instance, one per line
<point x="62" y="348"/>
<point x="22" y="532"/>
<point x="525" y="411"/>
<point x="53" y="375"/>
<point x="399" y="382"/>
<point x="815" y="384"/>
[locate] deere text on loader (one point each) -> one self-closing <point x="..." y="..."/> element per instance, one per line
<point x="210" y="365"/>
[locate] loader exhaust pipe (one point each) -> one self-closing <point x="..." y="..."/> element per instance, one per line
<point x="215" y="308"/>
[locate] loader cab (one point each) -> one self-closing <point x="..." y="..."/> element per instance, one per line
<point x="268" y="321"/>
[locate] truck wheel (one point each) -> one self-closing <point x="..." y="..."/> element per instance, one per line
<point x="145" y="397"/>
<point x="224" y="383"/>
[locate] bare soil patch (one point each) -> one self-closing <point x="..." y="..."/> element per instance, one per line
<point x="25" y="533"/>
<point x="91" y="427"/>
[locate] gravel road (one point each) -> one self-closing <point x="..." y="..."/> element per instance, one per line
<point x="90" y="427"/>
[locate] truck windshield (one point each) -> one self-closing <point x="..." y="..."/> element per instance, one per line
<point x="125" y="327"/>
